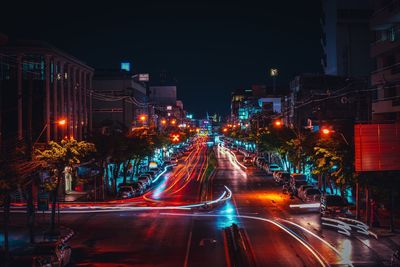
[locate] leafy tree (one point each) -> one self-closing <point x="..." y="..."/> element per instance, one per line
<point x="58" y="156"/>
<point x="15" y="170"/>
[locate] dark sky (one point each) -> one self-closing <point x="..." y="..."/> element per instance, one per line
<point x="211" y="48"/>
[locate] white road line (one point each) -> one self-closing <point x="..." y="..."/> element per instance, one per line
<point x="189" y="243"/>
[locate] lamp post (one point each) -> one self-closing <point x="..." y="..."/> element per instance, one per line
<point x="60" y="122"/>
<point x="327" y="132"/>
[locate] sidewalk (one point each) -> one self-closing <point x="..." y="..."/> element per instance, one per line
<point x="20" y="246"/>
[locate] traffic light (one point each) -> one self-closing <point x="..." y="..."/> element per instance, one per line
<point x="175" y="138"/>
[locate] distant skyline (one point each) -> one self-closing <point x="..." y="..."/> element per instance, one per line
<point x="210" y="48"/>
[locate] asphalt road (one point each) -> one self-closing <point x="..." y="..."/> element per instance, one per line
<point x="195" y="238"/>
<point x="180" y="238"/>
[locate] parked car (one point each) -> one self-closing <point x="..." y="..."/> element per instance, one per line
<point x="259" y="161"/>
<point x="125" y="191"/>
<point x="145" y="179"/>
<point x="297" y="180"/>
<point x="312" y="195"/>
<point x="143" y="184"/>
<point x="282" y="178"/>
<point x="152" y="173"/>
<point x="51" y="254"/>
<point x="174" y="159"/>
<point x="275" y="175"/>
<point x="247" y="161"/>
<point x="302" y="189"/>
<point x="333" y="205"/>
<point x="273" y="167"/>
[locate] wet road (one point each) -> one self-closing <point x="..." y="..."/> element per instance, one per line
<point x="195" y="238"/>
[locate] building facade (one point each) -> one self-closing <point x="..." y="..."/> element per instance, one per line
<point x="118" y="100"/>
<point x="385" y="51"/>
<point x="345" y="37"/>
<point x="40" y="86"/>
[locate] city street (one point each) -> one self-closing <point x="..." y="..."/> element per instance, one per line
<point x="279" y="235"/>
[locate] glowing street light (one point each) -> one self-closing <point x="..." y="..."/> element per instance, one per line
<point x="62" y="122"/>
<point x="173" y="122"/>
<point x="225" y="130"/>
<point x="278" y="123"/>
<point x="326" y="131"/>
<point x="163" y="122"/>
<point x="142" y="118"/>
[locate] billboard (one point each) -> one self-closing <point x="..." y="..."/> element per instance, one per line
<point x="377" y="147"/>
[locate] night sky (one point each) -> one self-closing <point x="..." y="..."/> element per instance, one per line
<point x="210" y="48"/>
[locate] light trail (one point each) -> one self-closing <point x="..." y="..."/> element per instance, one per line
<point x="314" y="252"/>
<point x="226" y="195"/>
<point x="305" y="206"/>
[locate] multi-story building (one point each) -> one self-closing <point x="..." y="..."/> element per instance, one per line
<point x="163" y="95"/>
<point x="40" y="86"/>
<point x="316" y="100"/>
<point x="385" y="51"/>
<point x="345" y="37"/>
<point x="119" y="100"/>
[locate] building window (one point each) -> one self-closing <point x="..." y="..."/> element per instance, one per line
<point x="389" y="91"/>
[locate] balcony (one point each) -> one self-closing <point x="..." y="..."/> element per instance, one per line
<point x="381" y="47"/>
<point x="386" y="106"/>
<point x="386" y="74"/>
<point x="386" y="15"/>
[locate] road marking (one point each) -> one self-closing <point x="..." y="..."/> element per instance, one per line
<point x="314" y="252"/>
<point x="185" y="264"/>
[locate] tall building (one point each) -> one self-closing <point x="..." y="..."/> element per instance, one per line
<point x="118" y="100"/>
<point x="346" y="37"/>
<point x="41" y="85"/>
<point x="163" y="95"/>
<point x="316" y="100"/>
<point x="385" y="51"/>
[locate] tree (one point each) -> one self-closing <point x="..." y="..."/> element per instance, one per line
<point x="58" y="156"/>
<point x="15" y="170"/>
<point x="333" y="160"/>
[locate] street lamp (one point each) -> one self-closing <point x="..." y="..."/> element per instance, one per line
<point x="327" y="132"/>
<point x="278" y="123"/>
<point x="60" y="122"/>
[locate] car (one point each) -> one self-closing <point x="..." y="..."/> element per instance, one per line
<point x="283" y="178"/>
<point x="152" y="173"/>
<point x="174" y="159"/>
<point x="312" y="195"/>
<point x="126" y="191"/>
<point x="333" y="205"/>
<point x="275" y="175"/>
<point x="49" y="254"/>
<point x="297" y="180"/>
<point x="259" y="160"/>
<point x="302" y="189"/>
<point x="247" y="161"/>
<point x="273" y="167"/>
<point x="145" y="179"/>
<point x="143" y="184"/>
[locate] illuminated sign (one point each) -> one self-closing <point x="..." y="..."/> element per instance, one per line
<point x="144" y="77"/>
<point x="126" y="66"/>
<point x="169" y="107"/>
<point x="273" y="72"/>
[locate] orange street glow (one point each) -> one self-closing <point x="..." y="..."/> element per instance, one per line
<point x="62" y="122"/>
